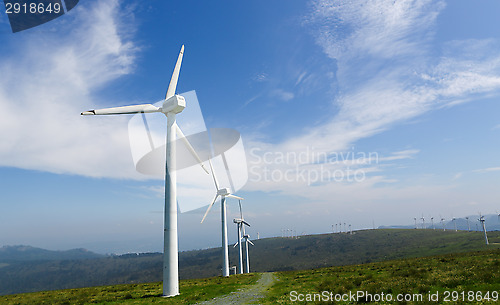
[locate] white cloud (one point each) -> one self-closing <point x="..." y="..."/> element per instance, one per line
<point x="52" y="78"/>
<point x="282" y="94"/>
<point x="387" y="73"/>
<point x="487" y="170"/>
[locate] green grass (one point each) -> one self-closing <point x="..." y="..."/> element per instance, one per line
<point x="473" y="271"/>
<point x="470" y="271"/>
<point x="192" y="291"/>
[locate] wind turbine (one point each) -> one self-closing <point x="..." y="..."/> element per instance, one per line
<point x="223" y="193"/>
<point x="172" y="105"/>
<point x="415" y="218"/>
<point x="481" y="219"/>
<point x="432" y="221"/>
<point x="423" y="221"/>
<point x="246" y="237"/>
<point x="240" y="223"/>
<point x="468" y="224"/>
<point x="442" y="222"/>
<point x="455" y="223"/>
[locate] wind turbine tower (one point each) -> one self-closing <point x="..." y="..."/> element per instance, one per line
<point x="442" y="222"/>
<point x="432" y="221"/>
<point x="415" y="218"/>
<point x="468" y="223"/>
<point x="423" y="222"/>
<point x="455" y="223"/>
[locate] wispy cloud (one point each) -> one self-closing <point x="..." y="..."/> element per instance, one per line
<point x="388" y="72"/>
<point x="487" y="170"/>
<point x="53" y="77"/>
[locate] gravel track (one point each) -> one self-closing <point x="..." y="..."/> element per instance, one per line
<point x="249" y="295"/>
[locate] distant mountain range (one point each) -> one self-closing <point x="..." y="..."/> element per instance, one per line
<point x="28" y="269"/>
<point x="27" y="253"/>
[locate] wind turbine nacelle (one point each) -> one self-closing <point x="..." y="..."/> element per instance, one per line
<point x="224" y="192"/>
<point x="174" y="104"/>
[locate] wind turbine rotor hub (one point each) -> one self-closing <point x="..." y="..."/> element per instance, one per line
<point x="224" y="192"/>
<point x="174" y="104"/>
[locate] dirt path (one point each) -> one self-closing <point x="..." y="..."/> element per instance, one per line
<point x="249" y="295"/>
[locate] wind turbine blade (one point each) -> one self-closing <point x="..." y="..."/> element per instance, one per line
<point x="213" y="174"/>
<point x="235" y="197"/>
<point x="209" y="207"/>
<point x="245" y="223"/>
<point x="175" y="76"/>
<point x="146" y="108"/>
<point x="241" y="213"/>
<point x="251" y="242"/>
<point x="234" y="246"/>
<point x="190" y="147"/>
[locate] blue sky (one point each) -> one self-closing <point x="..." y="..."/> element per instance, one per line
<point x="416" y="83"/>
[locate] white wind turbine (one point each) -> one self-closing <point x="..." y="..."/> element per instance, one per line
<point x="482" y="220"/>
<point x="468" y="224"/>
<point x="246" y="237"/>
<point x="223" y="193"/>
<point x="172" y="105"/>
<point x="240" y="224"/>
<point x="454" y="220"/>
<point x="423" y="221"/>
<point x="442" y="222"/>
<point x="432" y="221"/>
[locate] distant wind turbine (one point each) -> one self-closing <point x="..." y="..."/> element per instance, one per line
<point x="432" y="221"/>
<point x="442" y="222"/>
<point x="481" y="219"/>
<point x="455" y="223"/>
<point x="468" y="223"/>
<point x="240" y="223"/>
<point x="172" y="105"/>
<point x="423" y="222"/>
<point x="415" y="218"/>
<point x="222" y="193"/>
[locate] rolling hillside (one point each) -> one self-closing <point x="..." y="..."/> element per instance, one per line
<point x="271" y="254"/>
<point x="474" y="276"/>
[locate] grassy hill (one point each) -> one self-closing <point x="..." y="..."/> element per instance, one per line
<point x="272" y="254"/>
<point x="473" y="276"/>
<point x="430" y="276"/>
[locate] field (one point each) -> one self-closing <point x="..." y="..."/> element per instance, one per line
<point x="377" y="261"/>
<point x="192" y="291"/>
<point x="417" y="277"/>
